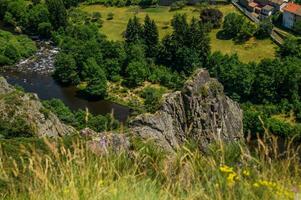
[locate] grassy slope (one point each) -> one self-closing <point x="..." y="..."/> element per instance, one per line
<point x="38" y="171"/>
<point x="253" y="50"/>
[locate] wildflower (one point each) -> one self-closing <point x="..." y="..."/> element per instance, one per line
<point x="231" y="178"/>
<point x="246" y="172"/>
<point x="226" y="169"/>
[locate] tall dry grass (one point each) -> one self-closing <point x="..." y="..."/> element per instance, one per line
<point x="224" y="171"/>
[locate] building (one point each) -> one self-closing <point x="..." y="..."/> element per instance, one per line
<point x="267" y="10"/>
<point x="278" y="4"/>
<point x="291" y="14"/>
<point x="258" y="5"/>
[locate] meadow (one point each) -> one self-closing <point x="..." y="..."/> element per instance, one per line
<point x="39" y="169"/>
<point x="252" y="50"/>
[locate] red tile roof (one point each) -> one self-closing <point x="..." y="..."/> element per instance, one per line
<point x="253" y="4"/>
<point x="293" y="8"/>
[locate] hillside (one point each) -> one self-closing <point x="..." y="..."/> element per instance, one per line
<point x="23" y="115"/>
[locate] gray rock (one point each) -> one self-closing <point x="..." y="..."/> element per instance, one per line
<point x="15" y="104"/>
<point x="200" y="112"/>
<point x="107" y="142"/>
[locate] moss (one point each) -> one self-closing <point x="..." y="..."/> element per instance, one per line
<point x="203" y="91"/>
<point x="45" y="112"/>
<point x="216" y="88"/>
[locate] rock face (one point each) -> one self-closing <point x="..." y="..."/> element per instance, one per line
<point x="200" y="112"/>
<point x="15" y="104"/>
<point x="105" y="142"/>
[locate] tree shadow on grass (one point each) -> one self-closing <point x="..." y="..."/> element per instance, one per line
<point x="221" y="35"/>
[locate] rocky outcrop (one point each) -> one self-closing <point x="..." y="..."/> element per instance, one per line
<point x="105" y="142"/>
<point x="16" y="106"/>
<point x="200" y="112"/>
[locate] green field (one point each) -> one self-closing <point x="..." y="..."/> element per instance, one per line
<point x="253" y="50"/>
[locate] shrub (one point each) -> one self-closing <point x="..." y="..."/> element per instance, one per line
<point x="5" y="60"/>
<point x="44" y="29"/>
<point x="152" y="98"/>
<point x="265" y="29"/>
<point x="212" y="16"/>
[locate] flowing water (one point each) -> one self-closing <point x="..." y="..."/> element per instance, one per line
<point x="34" y="75"/>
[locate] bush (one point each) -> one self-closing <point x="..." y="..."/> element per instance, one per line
<point x="177" y="5"/>
<point x="5" y="60"/>
<point x="212" y="16"/>
<point x="233" y="24"/>
<point x="265" y="29"/>
<point x="12" y="53"/>
<point x="44" y="29"/>
<point x="152" y="98"/>
<point x="137" y="72"/>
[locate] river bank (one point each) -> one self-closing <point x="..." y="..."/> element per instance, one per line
<point x="34" y="74"/>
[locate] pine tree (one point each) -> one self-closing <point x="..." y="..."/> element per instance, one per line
<point x="151" y="37"/>
<point x="199" y="40"/>
<point x="57" y="12"/>
<point x="133" y="31"/>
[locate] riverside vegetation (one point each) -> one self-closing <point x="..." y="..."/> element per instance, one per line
<point x="137" y="72"/>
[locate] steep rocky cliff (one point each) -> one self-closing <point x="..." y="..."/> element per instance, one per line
<point x="200" y="112"/>
<point x="18" y="107"/>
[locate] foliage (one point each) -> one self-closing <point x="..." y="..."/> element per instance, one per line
<point x="233" y="24"/>
<point x="65" y="69"/>
<point x="16" y="127"/>
<point x="265" y="29"/>
<point x="14" y="47"/>
<point x="187" y="48"/>
<point x="81" y="119"/>
<point x="152" y="98"/>
<point x="137" y="72"/>
<point x="166" y="77"/>
<point x="96" y="79"/>
<point x="134" y="30"/>
<point x="58" y="13"/>
<point x="211" y="16"/>
<point x="248" y="29"/>
<point x="150" y="37"/>
<point x="290" y="48"/>
<point x="177" y="5"/>
<point x="297" y="27"/>
<point x="269" y="81"/>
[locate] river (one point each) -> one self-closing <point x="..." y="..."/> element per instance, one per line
<point x="34" y="75"/>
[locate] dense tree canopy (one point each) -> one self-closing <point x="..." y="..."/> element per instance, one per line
<point x="187" y="48"/>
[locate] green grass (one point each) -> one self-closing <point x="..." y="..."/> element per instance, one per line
<point x="253" y="50"/>
<point x="47" y="169"/>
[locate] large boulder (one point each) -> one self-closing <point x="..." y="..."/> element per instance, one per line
<point x="16" y="106"/>
<point x="200" y="112"/>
